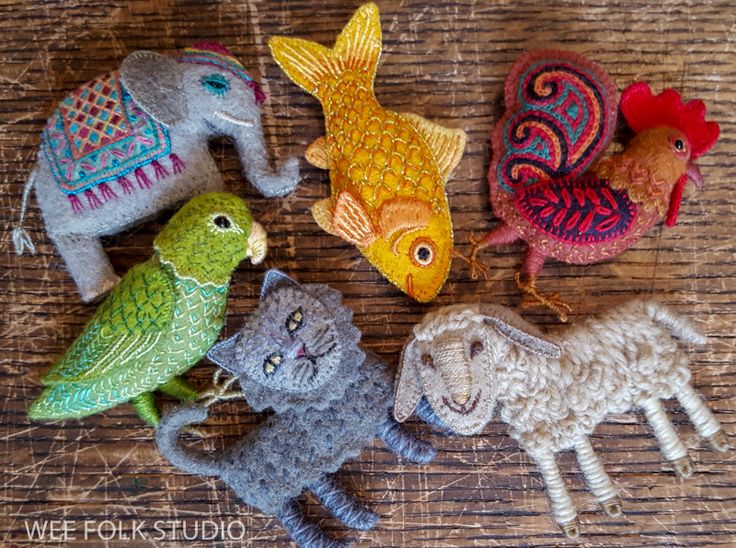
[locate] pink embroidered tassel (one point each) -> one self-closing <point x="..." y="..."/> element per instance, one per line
<point x="142" y="178"/>
<point x="125" y="185"/>
<point x="77" y="206"/>
<point x="107" y="192"/>
<point x="92" y="199"/>
<point x="176" y="164"/>
<point x="159" y="170"/>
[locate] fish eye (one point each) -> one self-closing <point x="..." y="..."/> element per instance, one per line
<point x="221" y="221"/>
<point x="475" y="349"/>
<point x="271" y="364"/>
<point x="422" y="252"/>
<point x="294" y="320"/>
<point x="428" y="360"/>
<point x="215" y="84"/>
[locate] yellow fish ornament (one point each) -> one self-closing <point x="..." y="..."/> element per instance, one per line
<point x="387" y="169"/>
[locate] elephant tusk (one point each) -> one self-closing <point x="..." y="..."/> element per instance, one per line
<point x="233" y="119"/>
<point x="257" y="244"/>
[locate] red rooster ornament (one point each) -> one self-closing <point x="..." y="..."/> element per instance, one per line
<point x="547" y="185"/>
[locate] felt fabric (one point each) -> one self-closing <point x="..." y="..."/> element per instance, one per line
<point x="298" y="356"/>
<point x="553" y="390"/>
<point x="158" y="321"/>
<point x="546" y="185"/>
<point x="388" y="170"/>
<point x="133" y="142"/>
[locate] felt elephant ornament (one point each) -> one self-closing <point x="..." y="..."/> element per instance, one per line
<point x="123" y="147"/>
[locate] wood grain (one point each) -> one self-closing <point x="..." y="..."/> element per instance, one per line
<point x="446" y="61"/>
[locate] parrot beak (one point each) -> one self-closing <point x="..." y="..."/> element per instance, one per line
<point x="257" y="244"/>
<point x="693" y="174"/>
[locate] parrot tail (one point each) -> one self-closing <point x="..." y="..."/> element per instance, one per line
<point x="167" y="437"/>
<point x="356" y="52"/>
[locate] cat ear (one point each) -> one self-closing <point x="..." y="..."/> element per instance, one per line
<point x="222" y="354"/>
<point x="275" y="278"/>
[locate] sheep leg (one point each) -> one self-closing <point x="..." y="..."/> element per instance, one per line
<point x="341" y="505"/>
<point x="305" y="533"/>
<point x="705" y="423"/>
<point x="405" y="444"/>
<point x="563" y="510"/>
<point x="599" y="482"/>
<point x="669" y="443"/>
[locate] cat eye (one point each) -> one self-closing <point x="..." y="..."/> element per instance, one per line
<point x="428" y="361"/>
<point x="475" y="349"/>
<point x="271" y="364"/>
<point x="294" y="321"/>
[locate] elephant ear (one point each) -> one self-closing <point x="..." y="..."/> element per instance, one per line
<point x="519" y="331"/>
<point x="155" y="83"/>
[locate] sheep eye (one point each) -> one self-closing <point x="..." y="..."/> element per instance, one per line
<point x="475" y="349"/>
<point x="271" y="364"/>
<point x="428" y="361"/>
<point x="222" y="222"/>
<point x="294" y="321"/>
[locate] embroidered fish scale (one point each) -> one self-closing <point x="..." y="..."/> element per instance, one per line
<point x="329" y="401"/>
<point x="547" y="185"/>
<point x="159" y="321"/>
<point x="465" y="361"/>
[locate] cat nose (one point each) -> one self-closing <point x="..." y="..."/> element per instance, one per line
<point x="296" y="350"/>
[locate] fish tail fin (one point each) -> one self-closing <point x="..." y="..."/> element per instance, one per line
<point x="357" y="49"/>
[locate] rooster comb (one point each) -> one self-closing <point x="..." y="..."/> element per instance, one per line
<point x="643" y="110"/>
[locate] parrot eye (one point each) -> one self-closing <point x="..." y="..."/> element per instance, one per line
<point x="422" y="252"/>
<point x="271" y="364"/>
<point x="294" y="321"/>
<point x="222" y="222"/>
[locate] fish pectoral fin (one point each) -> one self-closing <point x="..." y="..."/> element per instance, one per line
<point x="322" y="213"/>
<point x="351" y="222"/>
<point x="402" y="214"/>
<point x="318" y="154"/>
<point x="447" y="145"/>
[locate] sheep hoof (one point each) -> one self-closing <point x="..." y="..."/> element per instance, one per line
<point x="719" y="442"/>
<point x="684" y="466"/>
<point x="571" y="528"/>
<point x="613" y="507"/>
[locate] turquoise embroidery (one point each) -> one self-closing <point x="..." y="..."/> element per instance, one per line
<point x="216" y="84"/>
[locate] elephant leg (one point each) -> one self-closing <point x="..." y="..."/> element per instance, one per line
<point x="563" y="509"/>
<point x="405" y="444"/>
<point x="177" y="387"/>
<point x="305" y="533"/>
<point x="341" y="505"/>
<point x="88" y="265"/>
<point x="669" y="442"/>
<point x="705" y="423"/>
<point x="598" y="480"/>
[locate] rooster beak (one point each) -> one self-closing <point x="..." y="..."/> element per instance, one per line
<point x="693" y="173"/>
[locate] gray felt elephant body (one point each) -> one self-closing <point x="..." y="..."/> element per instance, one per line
<point x="123" y="147"/>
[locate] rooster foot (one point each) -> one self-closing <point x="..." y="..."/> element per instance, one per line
<point x="534" y="298"/>
<point x="219" y="392"/>
<point x="477" y="268"/>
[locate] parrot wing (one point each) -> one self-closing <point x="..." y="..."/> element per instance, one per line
<point x="126" y="327"/>
<point x="560" y="116"/>
<point x="582" y="210"/>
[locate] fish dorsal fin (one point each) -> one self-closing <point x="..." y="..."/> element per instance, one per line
<point x="351" y="222"/>
<point x="318" y="154"/>
<point x="322" y="213"/>
<point x="447" y="145"/>
<point x="402" y="214"/>
<point x="308" y="64"/>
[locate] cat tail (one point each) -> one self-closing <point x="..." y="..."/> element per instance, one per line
<point x="167" y="437"/>
<point x="356" y="52"/>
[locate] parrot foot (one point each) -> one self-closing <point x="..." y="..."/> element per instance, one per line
<point x="534" y="298"/>
<point x="220" y="391"/>
<point x="477" y="268"/>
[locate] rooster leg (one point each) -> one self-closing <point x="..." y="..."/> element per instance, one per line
<point x="526" y="281"/>
<point x="502" y="234"/>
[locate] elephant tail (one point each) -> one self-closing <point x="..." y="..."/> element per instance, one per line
<point x="167" y="437"/>
<point x="21" y="239"/>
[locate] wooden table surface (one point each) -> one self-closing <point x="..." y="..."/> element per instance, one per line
<point x="446" y="61"/>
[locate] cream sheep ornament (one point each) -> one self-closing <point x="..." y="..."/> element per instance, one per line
<point x="554" y="389"/>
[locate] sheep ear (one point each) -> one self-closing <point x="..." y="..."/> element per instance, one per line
<point x="222" y="354"/>
<point x="519" y="331"/>
<point x="408" y="390"/>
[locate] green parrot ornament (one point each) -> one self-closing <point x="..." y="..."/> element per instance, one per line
<point x="160" y="319"/>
